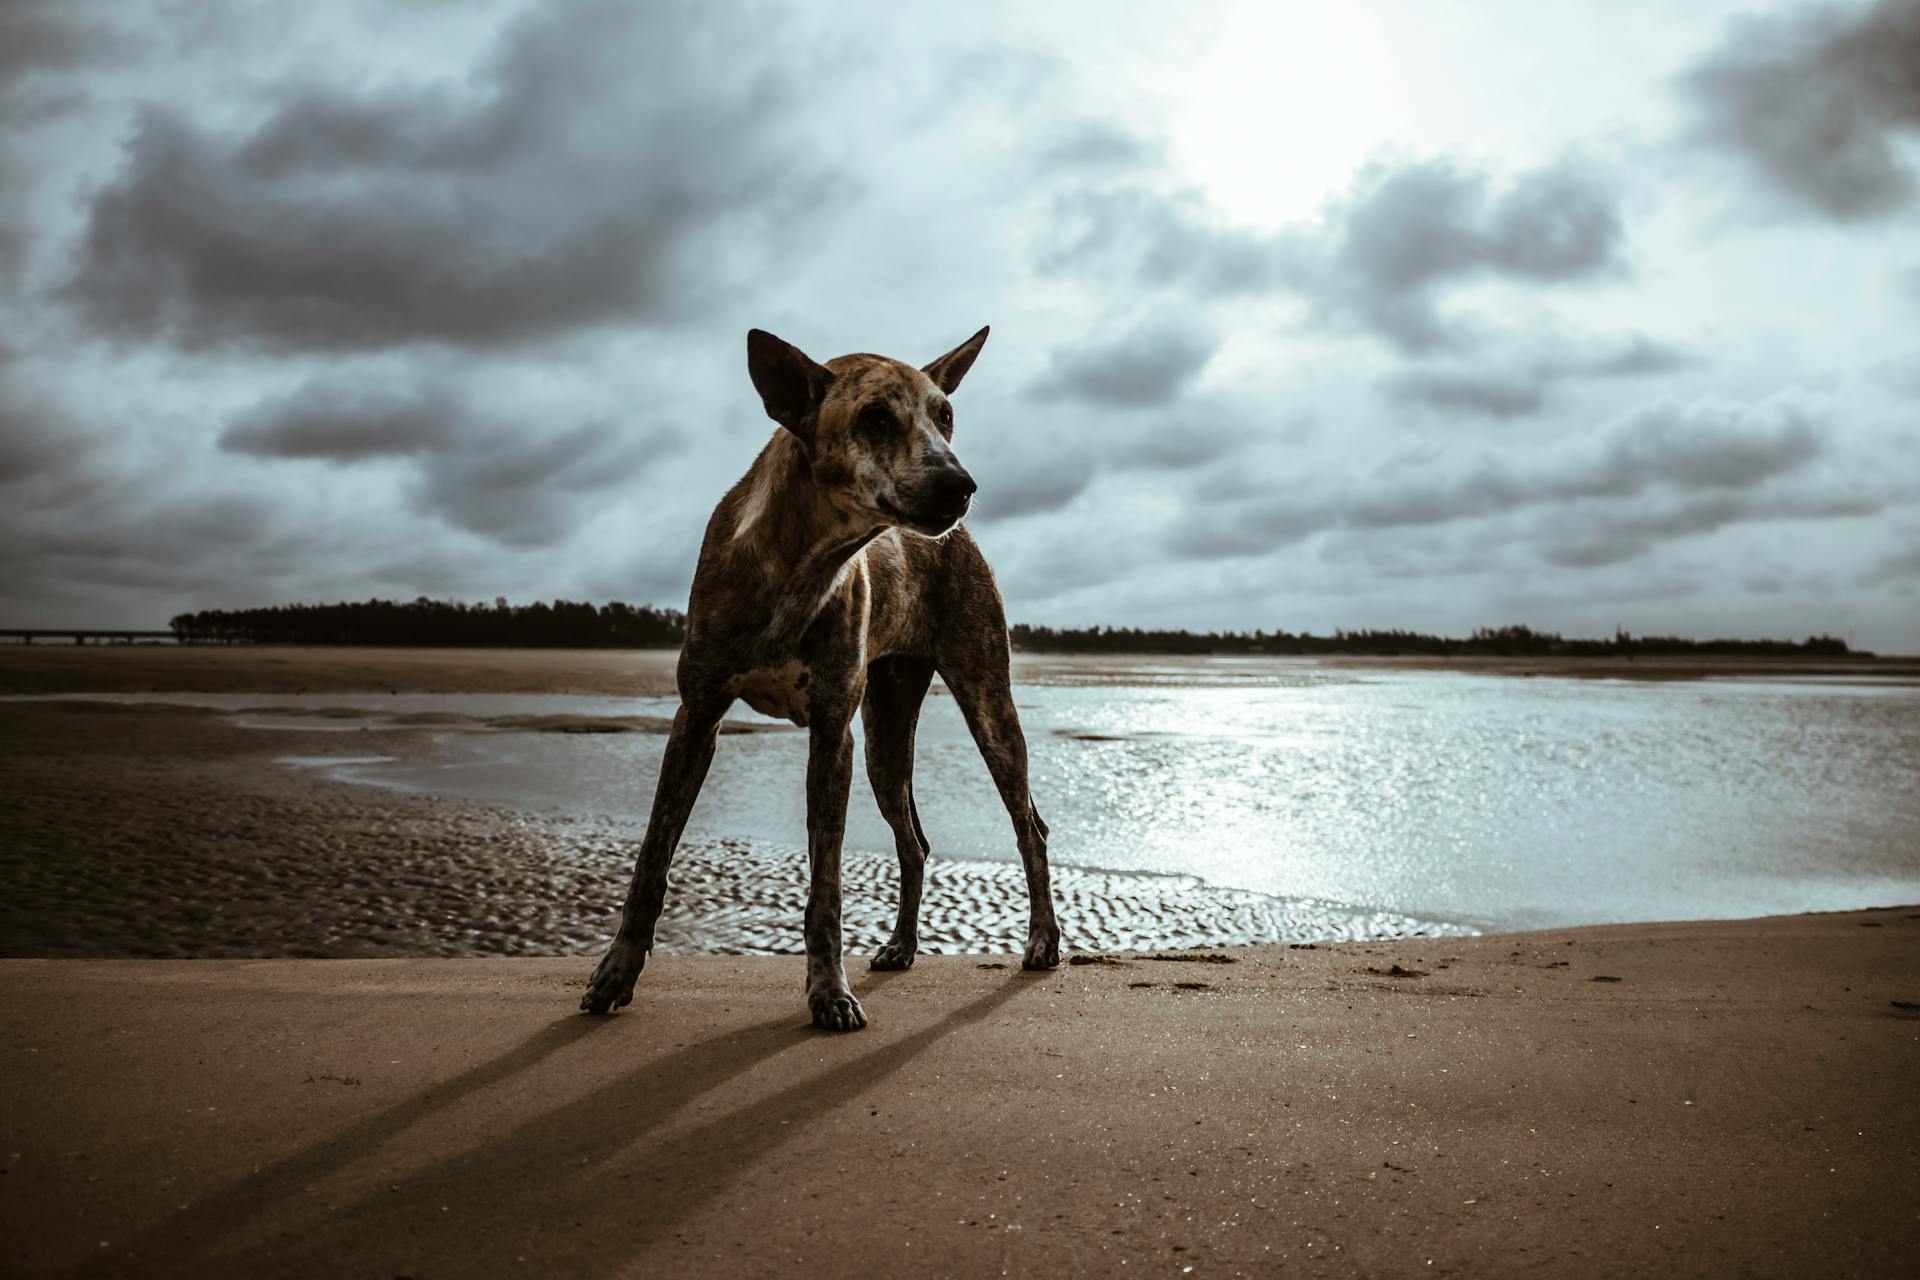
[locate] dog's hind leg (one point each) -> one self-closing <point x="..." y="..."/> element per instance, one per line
<point x="896" y="686"/>
<point x="981" y="683"/>
<point x="682" y="769"/>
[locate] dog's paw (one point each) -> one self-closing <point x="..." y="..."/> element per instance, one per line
<point x="836" y="1010"/>
<point x="1043" y="950"/>
<point x="895" y="955"/>
<point x="611" y="986"/>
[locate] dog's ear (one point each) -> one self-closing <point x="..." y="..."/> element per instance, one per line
<point x="791" y="386"/>
<point x="947" y="371"/>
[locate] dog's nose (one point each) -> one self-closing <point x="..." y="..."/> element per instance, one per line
<point x="953" y="486"/>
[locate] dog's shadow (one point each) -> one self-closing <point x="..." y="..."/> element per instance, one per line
<point x="513" y="1189"/>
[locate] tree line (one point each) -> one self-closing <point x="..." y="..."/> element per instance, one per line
<point x="577" y="625"/>
<point x="564" y="624"/>
<point x="1510" y="641"/>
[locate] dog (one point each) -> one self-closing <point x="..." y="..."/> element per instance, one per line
<point x="837" y="576"/>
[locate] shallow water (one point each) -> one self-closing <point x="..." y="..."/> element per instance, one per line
<point x="1501" y="801"/>
<point x="1425" y="796"/>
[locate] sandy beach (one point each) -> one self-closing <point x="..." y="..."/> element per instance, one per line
<point x="1715" y="1098"/>
<point x="1687" y="1099"/>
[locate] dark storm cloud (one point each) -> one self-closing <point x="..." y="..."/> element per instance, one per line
<point x="1665" y="472"/>
<point x="46" y="457"/>
<point x="1069" y="447"/>
<point x="605" y="165"/>
<point x="1178" y="443"/>
<point x="1612" y="535"/>
<point x="515" y="479"/>
<point x="1094" y="145"/>
<point x="1010" y="488"/>
<point x="1595" y="553"/>
<point x="1148" y="366"/>
<point x="534" y="491"/>
<point x="1699" y="447"/>
<point x="1641" y="356"/>
<point x="1527" y="389"/>
<point x="1254" y="528"/>
<point x="345" y="419"/>
<point x="1487" y="489"/>
<point x="1818" y="104"/>
<point x="80" y="516"/>
<point x="1408" y="230"/>
<point x="1379" y="257"/>
<point x="1489" y="395"/>
<point x="41" y="38"/>
<point x="38" y="42"/>
<point x="28" y="444"/>
<point x="1663" y="447"/>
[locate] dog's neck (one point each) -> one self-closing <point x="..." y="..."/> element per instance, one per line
<point x="791" y="542"/>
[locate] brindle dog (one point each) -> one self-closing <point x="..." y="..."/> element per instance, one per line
<point x="836" y="575"/>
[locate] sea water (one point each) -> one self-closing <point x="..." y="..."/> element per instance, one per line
<point x="1489" y="801"/>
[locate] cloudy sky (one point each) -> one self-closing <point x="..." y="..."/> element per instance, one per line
<point x="1426" y="315"/>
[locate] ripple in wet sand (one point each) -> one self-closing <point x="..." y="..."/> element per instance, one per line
<point x="182" y="834"/>
<point x="730" y="896"/>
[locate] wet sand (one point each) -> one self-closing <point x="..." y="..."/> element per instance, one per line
<point x="44" y="668"/>
<point x="1729" y="1098"/>
<point x="169" y="830"/>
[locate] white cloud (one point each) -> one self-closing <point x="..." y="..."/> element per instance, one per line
<point x="468" y="321"/>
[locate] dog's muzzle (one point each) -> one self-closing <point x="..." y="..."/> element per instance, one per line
<point x="943" y="497"/>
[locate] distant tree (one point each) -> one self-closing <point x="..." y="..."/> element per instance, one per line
<point x="563" y="624"/>
<point x="1506" y="641"/>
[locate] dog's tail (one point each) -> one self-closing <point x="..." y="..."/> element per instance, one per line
<point x="1038" y="821"/>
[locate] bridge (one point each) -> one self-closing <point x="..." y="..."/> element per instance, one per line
<point x="81" y="635"/>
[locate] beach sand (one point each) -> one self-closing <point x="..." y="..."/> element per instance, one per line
<point x="1685" y="1099"/>
<point x="1689" y="1099"/>
<point x="164" y="668"/>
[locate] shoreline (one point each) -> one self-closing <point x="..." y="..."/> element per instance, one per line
<point x="1686" y="1098"/>
<point x="162" y="830"/>
<point x="640" y="673"/>
<point x="146" y="824"/>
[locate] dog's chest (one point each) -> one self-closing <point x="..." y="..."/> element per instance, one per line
<point x="782" y="692"/>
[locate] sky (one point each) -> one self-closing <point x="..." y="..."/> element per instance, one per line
<point x="1430" y="316"/>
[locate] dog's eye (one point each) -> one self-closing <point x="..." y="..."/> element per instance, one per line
<point x="943" y="414"/>
<point x="875" y="419"/>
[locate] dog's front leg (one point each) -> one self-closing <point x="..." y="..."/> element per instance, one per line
<point x="829" y="775"/>
<point x="682" y="769"/>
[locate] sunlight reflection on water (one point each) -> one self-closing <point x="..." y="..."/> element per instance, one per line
<point x="1501" y="801"/>
<point x="1496" y="801"/>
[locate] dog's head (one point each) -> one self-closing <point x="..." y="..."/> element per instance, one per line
<point x="877" y="432"/>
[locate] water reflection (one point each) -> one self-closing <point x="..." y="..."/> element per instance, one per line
<point x="1502" y="801"/>
<point x="1497" y="801"/>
